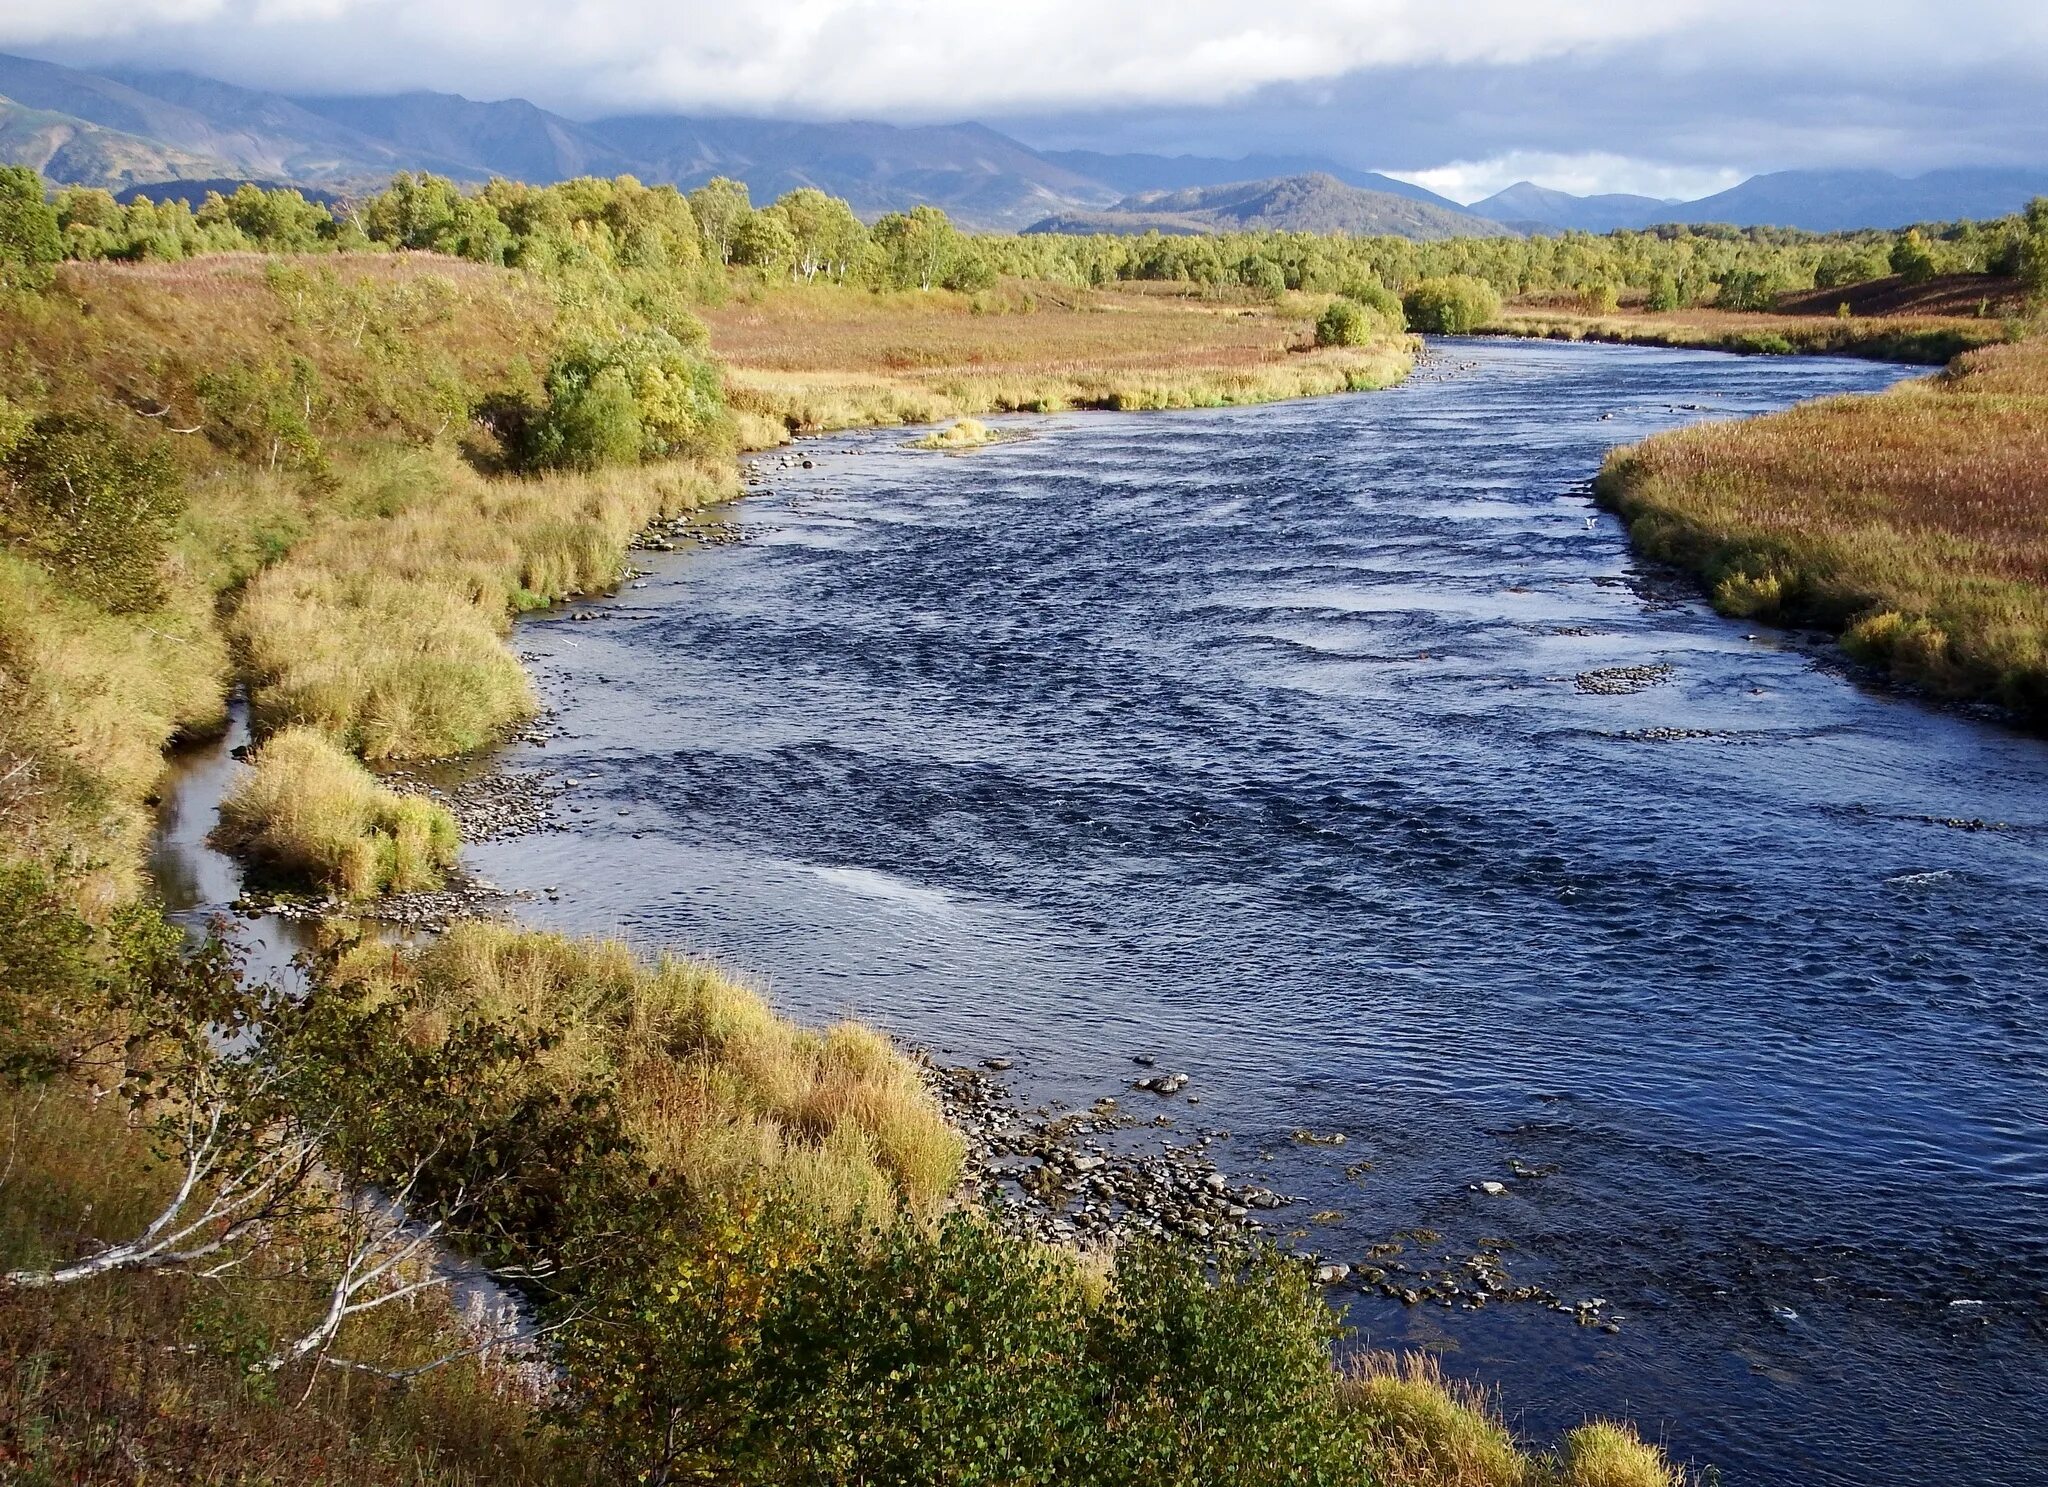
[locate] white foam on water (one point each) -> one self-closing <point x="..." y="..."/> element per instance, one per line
<point x="883" y="888"/>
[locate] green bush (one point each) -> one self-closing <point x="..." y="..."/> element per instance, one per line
<point x="753" y="1350"/>
<point x="1839" y="267"/>
<point x="1262" y="275"/>
<point x="30" y="243"/>
<point x="1455" y="305"/>
<point x="1380" y="300"/>
<point x="1217" y="1372"/>
<point x="1748" y="289"/>
<point x="1911" y="258"/>
<point x="94" y="505"/>
<point x="637" y="397"/>
<point x="1603" y="297"/>
<point x="1344" y="323"/>
<point x="2033" y="248"/>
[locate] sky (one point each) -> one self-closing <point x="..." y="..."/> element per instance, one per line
<point x="1660" y="97"/>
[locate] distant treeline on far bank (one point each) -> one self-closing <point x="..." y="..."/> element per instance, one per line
<point x="699" y="241"/>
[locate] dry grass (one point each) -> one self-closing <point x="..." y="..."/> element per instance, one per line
<point x="1603" y="1454"/>
<point x="393" y="337"/>
<point x="1915" y="522"/>
<point x="968" y="433"/>
<point x="715" y="1086"/>
<point x="88" y="701"/>
<point x="1429" y="1431"/>
<point x="310" y="813"/>
<point x="1930" y="339"/>
<point x="386" y="630"/>
<point x="824" y="358"/>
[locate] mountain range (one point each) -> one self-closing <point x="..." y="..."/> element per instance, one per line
<point x="1315" y="201"/>
<point x="180" y="133"/>
<point x="1817" y="200"/>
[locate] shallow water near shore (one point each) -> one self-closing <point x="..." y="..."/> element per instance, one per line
<point x="1339" y="754"/>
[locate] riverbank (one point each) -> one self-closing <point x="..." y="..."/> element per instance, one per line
<point x="803" y="360"/>
<point x="1928" y="340"/>
<point x="1913" y="524"/>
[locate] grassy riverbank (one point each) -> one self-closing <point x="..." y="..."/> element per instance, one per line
<point x="1913" y="523"/>
<point x="802" y="359"/>
<point x="1925" y="339"/>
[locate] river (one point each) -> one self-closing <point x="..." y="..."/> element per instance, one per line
<point x="1293" y="746"/>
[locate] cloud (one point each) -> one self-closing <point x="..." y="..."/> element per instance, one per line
<point x="1653" y="97"/>
<point x="894" y="57"/>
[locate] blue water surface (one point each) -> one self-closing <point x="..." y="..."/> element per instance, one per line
<point x="1255" y="740"/>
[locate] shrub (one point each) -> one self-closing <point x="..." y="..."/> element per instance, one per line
<point x="1263" y="276"/>
<point x="1455" y="305"/>
<point x="93" y="504"/>
<point x="1912" y="259"/>
<point x="1379" y="300"/>
<point x="1747" y="289"/>
<point x="311" y="813"/>
<point x="644" y="396"/>
<point x="49" y="973"/>
<point x="30" y="243"/>
<point x="941" y="1356"/>
<point x="2032" y="254"/>
<point x="1344" y="323"/>
<point x="1217" y="1372"/>
<point x="1664" y="294"/>
<point x="758" y="1350"/>
<point x="1601" y="298"/>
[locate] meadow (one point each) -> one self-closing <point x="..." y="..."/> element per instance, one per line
<point x="802" y="359"/>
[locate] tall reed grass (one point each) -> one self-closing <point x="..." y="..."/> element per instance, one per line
<point x="88" y="701"/>
<point x="1427" y="1430"/>
<point x="714" y="1085"/>
<point x="309" y="812"/>
<point x="385" y="628"/>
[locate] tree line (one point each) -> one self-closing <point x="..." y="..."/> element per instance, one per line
<point x="697" y="240"/>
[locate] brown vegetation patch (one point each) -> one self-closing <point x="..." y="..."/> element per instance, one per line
<point x="821" y="357"/>
<point x="936" y="334"/>
<point x="1966" y="295"/>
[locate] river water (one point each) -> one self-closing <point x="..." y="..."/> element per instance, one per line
<point x="1254" y="740"/>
